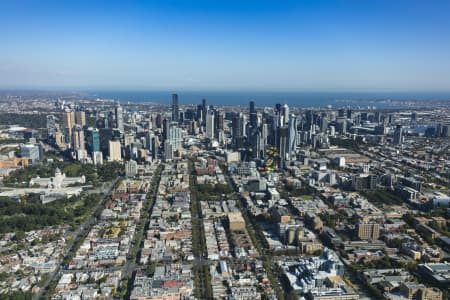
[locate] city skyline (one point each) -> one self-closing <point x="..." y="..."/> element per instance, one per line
<point x="201" y="45"/>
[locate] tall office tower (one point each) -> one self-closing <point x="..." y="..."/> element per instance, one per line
<point x="51" y="127"/>
<point x="204" y="108"/>
<point x="119" y="117"/>
<point x="244" y="125"/>
<point x="78" y="137"/>
<point x="292" y="137"/>
<point x="175" y="136"/>
<point x="277" y="108"/>
<point x="80" y="118"/>
<point x="282" y="143"/>
<point x="193" y="128"/>
<point x="364" y="116"/>
<point x="341" y="113"/>
<point x="148" y="140"/>
<point x="165" y="129"/>
<point x="190" y="114"/>
<point x="92" y="140"/>
<point x="106" y="135"/>
<point x="175" y="109"/>
<point x="445" y="130"/>
<point x="285" y="114"/>
<point x="181" y="117"/>
<point x="237" y="125"/>
<point x="349" y="114"/>
<point x="377" y="117"/>
<point x="155" y="147"/>
<point x="68" y="123"/>
<point x="323" y="124"/>
<point x="341" y="125"/>
<point x="158" y="121"/>
<point x="210" y="124"/>
<point x="252" y="107"/>
<point x="115" y="150"/>
<point x="219" y="122"/>
<point x="131" y="168"/>
<point x="390" y="119"/>
<point x="260" y="144"/>
<point x="398" y="135"/>
<point x="168" y="151"/>
<point x="199" y="114"/>
<point x="68" y="119"/>
<point x="60" y="140"/>
<point x="368" y="231"/>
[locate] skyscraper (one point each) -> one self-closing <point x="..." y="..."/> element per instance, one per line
<point x="68" y="122"/>
<point x="210" y="124"/>
<point x="92" y="140"/>
<point x="398" y="135"/>
<point x="115" y="151"/>
<point x="80" y="118"/>
<point x="175" y="136"/>
<point x="285" y="114"/>
<point x="51" y="127"/>
<point x="78" y="137"/>
<point x="119" y="117"/>
<point x="175" y="109"/>
<point x="292" y="136"/>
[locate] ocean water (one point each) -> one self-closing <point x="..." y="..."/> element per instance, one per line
<point x="293" y="99"/>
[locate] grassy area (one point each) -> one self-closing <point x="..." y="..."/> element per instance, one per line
<point x="381" y="197"/>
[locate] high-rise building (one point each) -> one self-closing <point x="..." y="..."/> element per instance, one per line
<point x="115" y="150"/>
<point x="68" y="123"/>
<point x="168" y="151"/>
<point x="285" y="114"/>
<point x="80" y="118"/>
<point x="92" y="140"/>
<point x="219" y="121"/>
<point x="52" y="127"/>
<point x="292" y="137"/>
<point x="78" y="138"/>
<point x="368" y="231"/>
<point x="282" y="142"/>
<point x="68" y="119"/>
<point x="119" y="117"/>
<point x="175" y="136"/>
<point x="175" y="109"/>
<point x="59" y="140"/>
<point x="252" y="107"/>
<point x="131" y="167"/>
<point x="204" y="108"/>
<point x="210" y="124"/>
<point x="398" y="135"/>
<point x="155" y="147"/>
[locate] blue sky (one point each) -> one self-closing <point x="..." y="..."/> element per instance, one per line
<point x="340" y="45"/>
